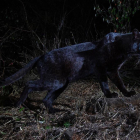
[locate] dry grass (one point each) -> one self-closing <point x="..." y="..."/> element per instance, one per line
<point x="87" y="116"/>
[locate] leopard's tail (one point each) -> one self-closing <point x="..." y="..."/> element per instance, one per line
<point x="18" y="75"/>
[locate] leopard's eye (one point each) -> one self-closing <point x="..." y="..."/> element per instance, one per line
<point x="134" y="47"/>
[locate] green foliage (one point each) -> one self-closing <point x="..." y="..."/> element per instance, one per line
<point x="18" y="119"/>
<point x="21" y="109"/>
<point x="119" y="13"/>
<point x="67" y="124"/>
<point x="1" y="132"/>
<point x="48" y="127"/>
<point x="6" y="91"/>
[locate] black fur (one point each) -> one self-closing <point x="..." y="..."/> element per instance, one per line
<point x="61" y="66"/>
<point x="107" y="59"/>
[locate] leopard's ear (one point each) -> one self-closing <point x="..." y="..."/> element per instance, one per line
<point x="135" y="34"/>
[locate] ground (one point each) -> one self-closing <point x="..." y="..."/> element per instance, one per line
<point x="86" y="115"/>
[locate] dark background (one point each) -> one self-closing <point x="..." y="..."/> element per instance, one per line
<point x="29" y="28"/>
